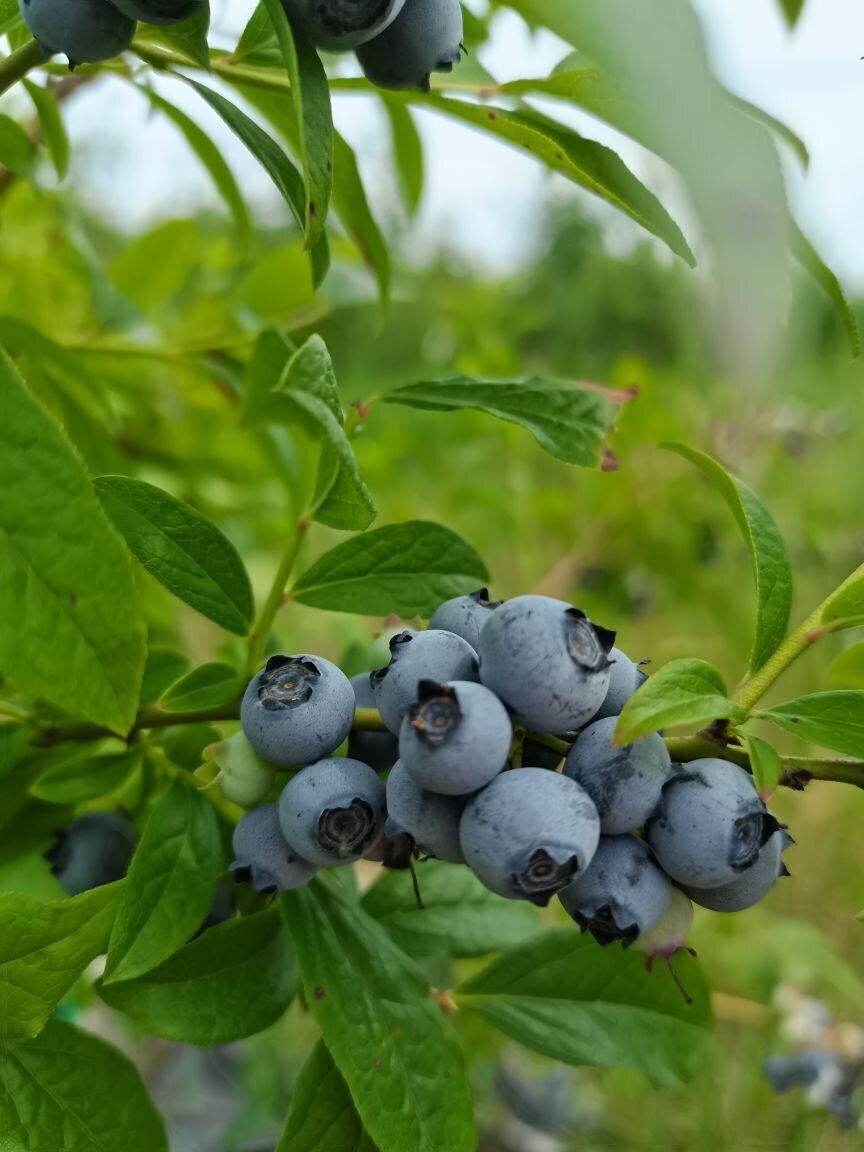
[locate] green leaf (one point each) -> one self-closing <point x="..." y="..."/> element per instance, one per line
<point x="310" y="94"/>
<point x="812" y="262"/>
<point x="44" y="948"/>
<point x="170" y="883"/>
<point x="459" y="917"/>
<point x="322" y="1116"/>
<point x="276" y="164"/>
<point x="68" y="1090"/>
<point x="17" y="151"/>
<point x="10" y="16"/>
<point x="52" y="126"/>
<point x="234" y="980"/>
<point x="182" y="549"/>
<point x="845" y="606"/>
<point x="188" y="38"/>
<point x="833" y="719"/>
<point x="682" y="692"/>
<point x="164" y="666"/>
<point x="398" y="1054"/>
<point x="771" y="570"/>
<point x="352" y="207"/>
<point x="848" y="668"/>
<point x="407" y="154"/>
<point x="407" y="568"/>
<point x="86" y="777"/>
<point x="257" y="34"/>
<point x="65" y="571"/>
<point x="209" y="155"/>
<point x="208" y="686"/>
<point x="792" y="10"/>
<point x="570" y="422"/>
<point x="154" y="267"/>
<point x="765" y="763"/>
<point x="564" y="996"/>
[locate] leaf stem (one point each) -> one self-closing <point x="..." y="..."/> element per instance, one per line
<point x="797" y="770"/>
<point x="261" y="631"/>
<point x="18" y="63"/>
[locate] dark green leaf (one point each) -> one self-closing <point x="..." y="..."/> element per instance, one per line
<point x="182" y="549"/>
<point x="406" y="568"/>
<point x="389" y="1039"/>
<point x="323" y="1117"/>
<point x="682" y="692"/>
<point x="17" y="151"/>
<point x="170" y="885"/>
<point x="52" y="126"/>
<point x="207" y="686"/>
<point x="407" y="154"/>
<point x="164" y="666"/>
<point x="765" y="764"/>
<point x="257" y="34"/>
<point x="234" y="980"/>
<point x="564" y="996"/>
<point x="189" y="37"/>
<point x="832" y="719"/>
<point x="86" y="777"/>
<point x="792" y="10"/>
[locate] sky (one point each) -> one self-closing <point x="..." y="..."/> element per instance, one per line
<point x="483" y="199"/>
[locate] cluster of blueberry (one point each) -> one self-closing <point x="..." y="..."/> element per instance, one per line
<point x="626" y="838"/>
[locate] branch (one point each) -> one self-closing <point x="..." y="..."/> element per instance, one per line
<point x="798" y="771"/>
<point x="17" y="64"/>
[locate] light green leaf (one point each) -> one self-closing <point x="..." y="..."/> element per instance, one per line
<point x="322" y="1116"/>
<point x="407" y="568"/>
<point x="182" y="549"/>
<point x="10" y="16"/>
<point x="17" y="151"/>
<point x="564" y="996"/>
<point x="407" y="154"/>
<point x="164" y="666"/>
<point x="389" y="1039"/>
<point x="570" y="422"/>
<point x="257" y="35"/>
<point x="65" y="571"/>
<point x="832" y="719"/>
<point x="233" y="981"/>
<point x="154" y="267"/>
<point x="765" y="764"/>
<point x="847" y="669"/>
<point x="44" y="948"/>
<point x="67" y="1090"/>
<point x="170" y="883"/>
<point x="208" y="686"/>
<point x="771" y="570"/>
<point x="459" y="917"/>
<point x="812" y="262"/>
<point x="189" y="37"/>
<point x="52" y="126"/>
<point x="87" y="777"/>
<point x="845" y="606"/>
<point x="682" y="692"/>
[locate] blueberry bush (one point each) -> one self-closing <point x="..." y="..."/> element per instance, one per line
<point x="481" y="813"/>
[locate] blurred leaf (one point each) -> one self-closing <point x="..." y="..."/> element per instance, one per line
<point x="10" y="16"/>
<point x="570" y="422"/>
<point x="155" y="266"/>
<point x="182" y="549"/>
<point x="564" y="996"/>
<point x="775" y="126"/>
<point x="459" y="917"/>
<point x="170" y="884"/>
<point x="68" y="1090"/>
<point x="388" y="1037"/>
<point x="164" y="666"/>
<point x="765" y="764"/>
<point x="848" y="668"/>
<point x="17" y="151"/>
<point x="14" y="745"/>
<point x="682" y="692"/>
<point x="52" y="126"/>
<point x="233" y="981"/>
<point x="65" y="571"/>
<point x="44" y="948"/>
<point x="322" y="1116"/>
<point x="407" y="569"/>
<point x="189" y="37"/>
<point x="771" y="570"/>
<point x="407" y="154"/>
<point x="832" y="719"/>
<point x="812" y="262"/>
<point x="792" y="10"/>
<point x="310" y="96"/>
<point x="86" y="777"/>
<point x="210" y="157"/>
<point x="207" y="686"/>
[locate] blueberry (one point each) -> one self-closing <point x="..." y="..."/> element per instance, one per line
<point x="263" y="855"/>
<point x="625" y="677"/>
<point x="529" y="834"/>
<point x="547" y="662"/>
<point x="416" y="656"/>
<point x="710" y="824"/>
<point x="455" y="737"/>
<point x="244" y="778"/>
<point x="380" y="750"/>
<point x="431" y="820"/>
<point x="333" y="811"/>
<point x="297" y="709"/>
<point x="335" y="25"/>
<point x="159" y="11"/>
<point x="751" y="886"/>
<point x="465" y="615"/>
<point x="624" y="783"/>
<point x="425" y="37"/>
<point x="93" y="850"/>
<point x="85" y="31"/>
<point x="669" y="934"/>
<point x="800" y="1069"/>
<point x="621" y="894"/>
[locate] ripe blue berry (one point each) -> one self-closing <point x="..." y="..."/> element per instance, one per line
<point x="529" y="834"/>
<point x="333" y="811"/>
<point x="380" y="750"/>
<point x="546" y="661"/>
<point x="425" y="37"/>
<point x="455" y="737"/>
<point x="751" y="886"/>
<point x="465" y="615"/>
<point x="710" y="824"/>
<point x="621" y="894"/>
<point x="262" y="854"/>
<point x="297" y="709"/>
<point x="416" y="656"/>
<point x="624" y="783"/>
<point x="84" y="31"/>
<point x="625" y="678"/>
<point x="93" y="850"/>
<point x="336" y="25"/>
<point x="431" y="820"/>
<point x="159" y="11"/>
